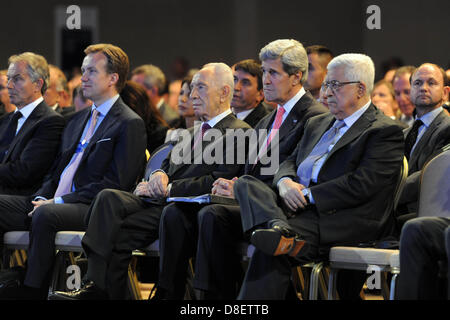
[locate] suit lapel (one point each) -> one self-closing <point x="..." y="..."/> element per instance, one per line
<point x="423" y="142"/>
<point x="107" y="122"/>
<point x="315" y="136"/>
<point x="27" y="125"/>
<point x="355" y="130"/>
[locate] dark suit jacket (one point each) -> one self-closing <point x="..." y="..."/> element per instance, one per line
<point x="290" y="133"/>
<point x="32" y="151"/>
<point x="436" y="136"/>
<point x="195" y="177"/>
<point x="256" y="115"/>
<point x="357" y="178"/>
<point x="113" y="158"/>
<point x="66" y="112"/>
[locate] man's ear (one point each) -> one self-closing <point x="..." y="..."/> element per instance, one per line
<point x="226" y="91"/>
<point x="362" y="90"/>
<point x="114" y="77"/>
<point x="39" y="84"/>
<point x="296" y="78"/>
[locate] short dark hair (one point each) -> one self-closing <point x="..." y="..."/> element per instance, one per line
<point x="323" y="52"/>
<point x="252" y="67"/>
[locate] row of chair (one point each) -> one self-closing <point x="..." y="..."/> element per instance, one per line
<point x="433" y="201"/>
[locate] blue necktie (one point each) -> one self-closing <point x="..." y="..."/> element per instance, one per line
<point x="304" y="170"/>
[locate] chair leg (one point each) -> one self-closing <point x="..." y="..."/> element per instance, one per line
<point x="133" y="281"/>
<point x="314" y="283"/>
<point x="393" y="286"/>
<point x="332" y="284"/>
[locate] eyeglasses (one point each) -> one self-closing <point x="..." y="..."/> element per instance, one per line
<point x="335" y="85"/>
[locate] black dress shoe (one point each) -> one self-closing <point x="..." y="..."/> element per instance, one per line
<point x="89" y="291"/>
<point x="277" y="241"/>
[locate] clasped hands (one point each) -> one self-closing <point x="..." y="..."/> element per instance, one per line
<point x="155" y="187"/>
<point x="224" y="187"/>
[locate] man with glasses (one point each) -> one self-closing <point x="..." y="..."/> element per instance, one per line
<point x="332" y="190"/>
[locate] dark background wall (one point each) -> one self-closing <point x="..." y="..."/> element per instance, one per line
<point x="158" y="31"/>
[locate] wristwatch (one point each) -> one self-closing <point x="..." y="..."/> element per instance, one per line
<point x="307" y="194"/>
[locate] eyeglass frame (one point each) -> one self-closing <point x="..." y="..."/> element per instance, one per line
<point x="326" y="84"/>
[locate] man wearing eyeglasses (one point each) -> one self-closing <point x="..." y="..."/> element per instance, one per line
<point x="333" y="190"/>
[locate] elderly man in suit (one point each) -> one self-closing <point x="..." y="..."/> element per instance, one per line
<point x="102" y="147"/>
<point x="29" y="136"/>
<point x="217" y="264"/>
<point x="333" y="189"/>
<point x="121" y="222"/>
<point x="429" y="133"/>
<point x="248" y="96"/>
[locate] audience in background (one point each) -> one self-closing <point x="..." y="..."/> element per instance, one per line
<point x="134" y="96"/>
<point x="154" y="82"/>
<point x="5" y="104"/>
<point x="402" y="88"/>
<point x="318" y="59"/>
<point x="79" y="100"/>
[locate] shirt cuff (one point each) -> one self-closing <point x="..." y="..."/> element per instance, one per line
<point x="39" y="198"/>
<point x="58" y="200"/>
<point x="279" y="181"/>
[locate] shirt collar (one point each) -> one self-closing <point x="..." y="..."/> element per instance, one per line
<point x="29" y="108"/>
<point x="428" y="117"/>
<point x="104" y="108"/>
<point x="212" y="122"/>
<point x="351" y="119"/>
<point x="291" y="102"/>
<point x="243" y="114"/>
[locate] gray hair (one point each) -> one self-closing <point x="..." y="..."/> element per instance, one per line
<point x="154" y="77"/>
<point x="37" y="67"/>
<point x="291" y="53"/>
<point x="223" y="76"/>
<point x="357" y="67"/>
<point x="61" y="80"/>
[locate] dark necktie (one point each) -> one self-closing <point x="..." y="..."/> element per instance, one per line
<point x="411" y="137"/>
<point x="205" y="127"/>
<point x="9" y="135"/>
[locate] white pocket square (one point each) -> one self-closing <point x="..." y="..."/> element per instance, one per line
<point x="103" y="140"/>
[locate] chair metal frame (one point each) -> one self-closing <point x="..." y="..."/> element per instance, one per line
<point x="335" y="265"/>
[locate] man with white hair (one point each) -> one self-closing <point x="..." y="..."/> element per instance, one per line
<point x="333" y="189"/>
<point x="120" y="222"/>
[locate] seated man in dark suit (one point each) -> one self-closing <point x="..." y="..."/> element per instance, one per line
<point x="332" y="190"/>
<point x="430" y="132"/>
<point x="102" y="147"/>
<point x="248" y="92"/>
<point x="217" y="263"/>
<point x="29" y="136"/>
<point x="121" y="222"/>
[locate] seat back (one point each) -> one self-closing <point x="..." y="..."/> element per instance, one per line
<point x="157" y="158"/>
<point x="434" y="196"/>
<point x="400" y="182"/>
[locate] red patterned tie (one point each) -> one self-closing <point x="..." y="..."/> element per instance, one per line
<point x="276" y="126"/>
